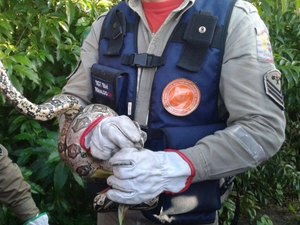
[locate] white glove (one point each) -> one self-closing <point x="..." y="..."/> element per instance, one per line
<point x="40" y="219"/>
<point x="113" y="133"/>
<point x="141" y="175"/>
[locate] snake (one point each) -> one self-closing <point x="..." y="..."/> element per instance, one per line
<point x="76" y="119"/>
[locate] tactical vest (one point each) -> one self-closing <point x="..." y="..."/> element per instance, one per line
<point x="193" y="52"/>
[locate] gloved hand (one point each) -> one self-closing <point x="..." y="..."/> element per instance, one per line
<point x="40" y="219"/>
<point x="141" y="175"/>
<point x="111" y="134"/>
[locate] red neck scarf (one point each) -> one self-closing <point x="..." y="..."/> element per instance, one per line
<point x="157" y="12"/>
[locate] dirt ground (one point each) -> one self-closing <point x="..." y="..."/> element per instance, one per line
<point x="279" y="216"/>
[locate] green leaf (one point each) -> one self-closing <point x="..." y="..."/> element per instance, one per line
<point x="64" y="26"/>
<point x="36" y="189"/>
<point x="54" y="157"/>
<point x="24" y="60"/>
<point x="24" y="136"/>
<point x="298" y="6"/>
<point x="60" y="176"/>
<point x="78" y="179"/>
<point x="27" y="72"/>
<point x="5" y="28"/>
<point x="70" y="12"/>
<point x="284" y="5"/>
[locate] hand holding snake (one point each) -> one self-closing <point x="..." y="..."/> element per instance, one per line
<point x="71" y="151"/>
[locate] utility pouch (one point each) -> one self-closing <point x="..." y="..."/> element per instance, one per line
<point x="109" y="87"/>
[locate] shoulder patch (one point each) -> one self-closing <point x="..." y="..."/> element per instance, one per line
<point x="272" y="83"/>
<point x="263" y="44"/>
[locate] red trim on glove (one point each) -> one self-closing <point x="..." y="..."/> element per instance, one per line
<point x="193" y="170"/>
<point x="87" y="131"/>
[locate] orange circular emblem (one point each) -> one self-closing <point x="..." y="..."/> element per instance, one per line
<point x="181" y="97"/>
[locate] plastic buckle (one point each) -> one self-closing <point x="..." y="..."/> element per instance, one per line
<point x="140" y="59"/>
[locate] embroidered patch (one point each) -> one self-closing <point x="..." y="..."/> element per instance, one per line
<point x="272" y="81"/>
<point x="263" y="44"/>
<point x="181" y="97"/>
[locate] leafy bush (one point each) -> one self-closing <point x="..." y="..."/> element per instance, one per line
<point x="39" y="45"/>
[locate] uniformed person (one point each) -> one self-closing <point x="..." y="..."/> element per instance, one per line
<point x="15" y="193"/>
<point x="199" y="78"/>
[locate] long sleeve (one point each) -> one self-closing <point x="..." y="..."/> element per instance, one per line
<point x="256" y="124"/>
<point x="14" y="191"/>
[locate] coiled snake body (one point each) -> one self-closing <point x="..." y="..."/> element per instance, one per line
<point x="69" y="149"/>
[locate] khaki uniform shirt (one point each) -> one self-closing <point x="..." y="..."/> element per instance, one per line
<point x="255" y="127"/>
<point x="14" y="191"/>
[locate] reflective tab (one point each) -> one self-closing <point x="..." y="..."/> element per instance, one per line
<point x="181" y="97"/>
<point x="248" y="142"/>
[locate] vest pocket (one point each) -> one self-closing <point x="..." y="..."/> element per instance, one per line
<point x="109" y="87"/>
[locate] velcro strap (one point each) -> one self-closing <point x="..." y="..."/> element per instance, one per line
<point x="198" y="37"/>
<point x="142" y="60"/>
<point x="116" y="33"/>
<point x="106" y="31"/>
<point x="200" y="29"/>
<point x="177" y="36"/>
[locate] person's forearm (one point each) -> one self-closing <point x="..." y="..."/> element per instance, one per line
<point x="256" y="124"/>
<point x="14" y="191"/>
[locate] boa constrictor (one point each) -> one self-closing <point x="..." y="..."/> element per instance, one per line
<point x="69" y="148"/>
<point x="77" y="119"/>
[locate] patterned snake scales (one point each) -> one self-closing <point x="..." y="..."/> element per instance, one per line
<point x="77" y="119"/>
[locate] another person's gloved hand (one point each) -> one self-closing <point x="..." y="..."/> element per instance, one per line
<point x="141" y="175"/>
<point x="40" y="219"/>
<point x="111" y="134"/>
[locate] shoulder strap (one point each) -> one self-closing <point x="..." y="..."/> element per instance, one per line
<point x="115" y="27"/>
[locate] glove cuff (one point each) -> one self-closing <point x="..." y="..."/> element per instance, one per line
<point x="86" y="134"/>
<point x="43" y="217"/>
<point x="192" y="173"/>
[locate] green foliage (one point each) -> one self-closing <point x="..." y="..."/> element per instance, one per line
<point x="264" y="220"/>
<point x="39" y="45"/>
